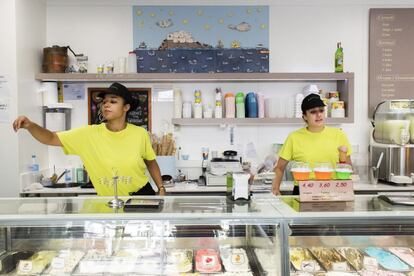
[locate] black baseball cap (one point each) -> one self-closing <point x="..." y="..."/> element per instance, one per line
<point x="311" y="101"/>
<point x="119" y="90"/>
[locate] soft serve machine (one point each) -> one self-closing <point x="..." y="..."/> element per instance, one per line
<point x="391" y="149"/>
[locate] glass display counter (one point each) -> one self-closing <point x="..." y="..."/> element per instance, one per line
<point x="369" y="236"/>
<point x="206" y="236"/>
<point x="185" y="236"/>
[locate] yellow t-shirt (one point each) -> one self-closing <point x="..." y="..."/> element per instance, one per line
<point x="103" y="152"/>
<point x="305" y="146"/>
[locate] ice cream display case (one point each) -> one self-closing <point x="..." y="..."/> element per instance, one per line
<point x="186" y="236"/>
<point x="368" y="236"/>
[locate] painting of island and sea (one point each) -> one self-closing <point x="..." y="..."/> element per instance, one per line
<point x="201" y="39"/>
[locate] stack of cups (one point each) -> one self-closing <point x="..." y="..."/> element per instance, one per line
<point x="240" y="110"/>
<point x="230" y="102"/>
<point x="261" y="105"/>
<point x="178" y="103"/>
<point x="218" y="111"/>
<point x="298" y="102"/>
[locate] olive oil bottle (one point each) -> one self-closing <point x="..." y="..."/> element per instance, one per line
<point x="339" y="59"/>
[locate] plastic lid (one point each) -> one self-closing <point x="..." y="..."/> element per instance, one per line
<point x="228" y="95"/>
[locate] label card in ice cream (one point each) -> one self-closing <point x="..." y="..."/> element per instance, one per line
<point x="339" y="266"/>
<point x="370" y="263"/>
<point x="25" y="266"/>
<point x="308" y="266"/>
<point x="58" y="263"/>
<point x="326" y="190"/>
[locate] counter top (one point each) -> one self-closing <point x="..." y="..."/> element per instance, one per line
<point x="184" y="188"/>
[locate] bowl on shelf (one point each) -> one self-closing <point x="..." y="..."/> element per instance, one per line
<point x="301" y="171"/>
<point x="323" y="171"/>
<point x="343" y="171"/>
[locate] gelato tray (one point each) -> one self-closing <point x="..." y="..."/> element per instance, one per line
<point x="330" y="259"/>
<point x="9" y="261"/>
<point x="267" y="260"/>
<point x="404" y="253"/>
<point x="36" y="263"/>
<point x="386" y="259"/>
<point x="380" y="273"/>
<point x="234" y="259"/>
<point x="207" y="261"/>
<point x="64" y="263"/>
<point x="353" y="255"/>
<point x="179" y="261"/>
<point x="302" y="260"/>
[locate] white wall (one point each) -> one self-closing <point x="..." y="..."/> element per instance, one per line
<point x="303" y="38"/>
<point x="8" y="143"/>
<point x="23" y="29"/>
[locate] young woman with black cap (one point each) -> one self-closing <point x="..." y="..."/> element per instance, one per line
<point x="111" y="148"/>
<point x="313" y="143"/>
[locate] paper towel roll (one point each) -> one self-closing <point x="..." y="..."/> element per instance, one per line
<point x="49" y="93"/>
<point x="55" y="121"/>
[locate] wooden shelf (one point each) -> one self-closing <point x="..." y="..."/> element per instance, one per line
<point x="251" y="121"/>
<point x="194" y="77"/>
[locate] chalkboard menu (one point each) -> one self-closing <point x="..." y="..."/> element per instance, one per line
<point x="391" y="55"/>
<point x="140" y="116"/>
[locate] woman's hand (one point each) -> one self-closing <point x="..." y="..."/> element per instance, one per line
<point x="276" y="190"/>
<point x="21" y="122"/>
<point x="161" y="191"/>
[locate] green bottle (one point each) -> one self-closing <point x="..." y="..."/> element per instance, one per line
<point x="339" y="59"/>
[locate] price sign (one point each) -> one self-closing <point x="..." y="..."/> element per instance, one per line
<point x="329" y="190"/>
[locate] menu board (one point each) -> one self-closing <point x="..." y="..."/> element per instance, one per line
<point x="140" y="116"/>
<point x="391" y="66"/>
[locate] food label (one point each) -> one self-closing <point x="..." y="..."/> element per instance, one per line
<point x="370" y="263"/>
<point x="339" y="266"/>
<point x="25" y="266"/>
<point x="58" y="263"/>
<point x="308" y="266"/>
<point x="326" y="190"/>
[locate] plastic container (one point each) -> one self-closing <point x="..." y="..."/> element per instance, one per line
<point x="230" y="105"/>
<point x="323" y="171"/>
<point x="301" y="171"/>
<point x="251" y="105"/>
<point x="343" y="171"/>
<point x="240" y="109"/>
<point x="132" y="62"/>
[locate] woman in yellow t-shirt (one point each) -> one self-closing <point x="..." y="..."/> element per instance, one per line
<point x="313" y="143"/>
<point x="112" y="148"/>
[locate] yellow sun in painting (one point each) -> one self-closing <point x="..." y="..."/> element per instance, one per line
<point x="259" y="9"/>
<point x="152" y="14"/>
<point x="263" y="26"/>
<point x="170" y="13"/>
<point x="139" y="12"/>
<point x="207" y="27"/>
<point x="200" y="12"/>
<point x="184" y="21"/>
<point x="249" y="11"/>
<point x="221" y="21"/>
